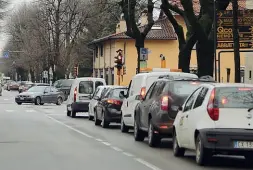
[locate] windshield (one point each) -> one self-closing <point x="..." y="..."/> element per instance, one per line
<point x="86" y="87"/>
<point x="184" y="88"/>
<point x="234" y="97"/>
<point x="37" y="89"/>
<point x="115" y="93"/>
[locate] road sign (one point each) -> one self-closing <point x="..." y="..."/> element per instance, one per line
<point x="230" y="45"/>
<point x="6" y="54"/>
<point x="144" y="54"/>
<point x="225" y="29"/>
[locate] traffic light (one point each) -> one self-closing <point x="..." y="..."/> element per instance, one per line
<point x="118" y="60"/>
<point x="76" y="71"/>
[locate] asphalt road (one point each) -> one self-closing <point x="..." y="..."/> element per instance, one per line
<point x="43" y="137"/>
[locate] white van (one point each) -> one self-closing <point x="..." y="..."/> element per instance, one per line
<point x="80" y="94"/>
<point x="139" y="85"/>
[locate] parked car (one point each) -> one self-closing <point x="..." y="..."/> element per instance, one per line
<point x="139" y="85"/>
<point x="216" y="119"/>
<point x="12" y="86"/>
<point x="94" y="101"/>
<point x="64" y="85"/>
<point x="108" y="108"/>
<point x="1" y="90"/>
<point x="40" y="95"/>
<point x="155" y="114"/>
<point x="81" y="93"/>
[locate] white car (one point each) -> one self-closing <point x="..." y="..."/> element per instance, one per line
<point x="139" y="85"/>
<point x="216" y="119"/>
<point x="94" y="100"/>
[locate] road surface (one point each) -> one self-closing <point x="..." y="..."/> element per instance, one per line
<point x="43" y="137"/>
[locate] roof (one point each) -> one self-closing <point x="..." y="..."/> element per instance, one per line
<point x="165" y="33"/>
<point x="196" y="5"/>
<point x="232" y="85"/>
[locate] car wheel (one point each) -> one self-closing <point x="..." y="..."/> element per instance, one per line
<point x="42" y="103"/>
<point x="153" y="139"/>
<point x="96" y="121"/>
<point x="123" y="127"/>
<point x="177" y="151"/>
<point x="37" y="100"/>
<point x="104" y="123"/>
<point x="139" y="135"/>
<point x="59" y="101"/>
<point x="73" y="114"/>
<point x="68" y="112"/>
<point x="91" y="117"/>
<point x="19" y="103"/>
<point x="202" y="154"/>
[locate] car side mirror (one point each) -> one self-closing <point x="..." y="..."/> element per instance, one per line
<point x="97" y="98"/>
<point x="139" y="97"/>
<point x="122" y="94"/>
<point x="180" y="108"/>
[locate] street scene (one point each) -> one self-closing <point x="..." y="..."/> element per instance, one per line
<point x="126" y="84"/>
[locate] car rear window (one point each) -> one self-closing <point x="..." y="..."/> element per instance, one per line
<point x="115" y="93"/>
<point x="234" y="97"/>
<point x="66" y="83"/>
<point x="184" y="88"/>
<point x="86" y="87"/>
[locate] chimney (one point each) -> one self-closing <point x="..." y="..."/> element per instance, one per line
<point x="121" y="26"/>
<point x="144" y="17"/>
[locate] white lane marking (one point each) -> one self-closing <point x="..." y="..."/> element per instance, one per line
<point x="116" y="149"/>
<point x="128" y="154"/>
<point x="78" y="131"/>
<point x="29" y="111"/>
<point x="9" y="110"/>
<point x="153" y="167"/>
<point x="106" y="143"/>
<point x="99" y="140"/>
<point x="6" y="99"/>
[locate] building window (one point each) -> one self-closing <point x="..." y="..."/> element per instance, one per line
<point x="96" y="51"/>
<point x="101" y="50"/>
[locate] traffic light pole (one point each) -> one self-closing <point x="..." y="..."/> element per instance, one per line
<point x="118" y="73"/>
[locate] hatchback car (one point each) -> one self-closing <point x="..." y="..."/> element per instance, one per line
<point x="216" y="119"/>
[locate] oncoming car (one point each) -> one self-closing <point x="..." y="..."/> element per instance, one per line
<point x="40" y="95"/>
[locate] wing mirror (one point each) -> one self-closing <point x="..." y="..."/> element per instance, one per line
<point x="122" y="94"/>
<point x="139" y="97"/>
<point x="180" y="108"/>
<point x="97" y="98"/>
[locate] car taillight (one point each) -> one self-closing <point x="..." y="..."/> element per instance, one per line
<point x="211" y="109"/>
<point x="165" y="103"/>
<point x="143" y="92"/>
<point x="75" y="92"/>
<point x="112" y="101"/>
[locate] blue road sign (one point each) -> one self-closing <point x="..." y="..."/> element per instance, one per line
<point x="6" y="54"/>
<point x="143" y="54"/>
<point x="144" y="51"/>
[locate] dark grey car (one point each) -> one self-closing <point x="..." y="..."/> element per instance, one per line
<point x="40" y="95"/>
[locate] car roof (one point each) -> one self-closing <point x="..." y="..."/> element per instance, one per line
<point x="186" y="79"/>
<point x="231" y="85"/>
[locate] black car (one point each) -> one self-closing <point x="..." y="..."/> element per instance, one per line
<point x="64" y="85"/>
<point x="155" y="114"/>
<point x="108" y="108"/>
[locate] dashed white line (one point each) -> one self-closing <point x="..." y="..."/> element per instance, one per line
<point x="78" y="131"/>
<point x="99" y="140"/>
<point x="6" y="99"/>
<point x="116" y="149"/>
<point x="30" y="111"/>
<point x="153" y="167"/>
<point x="128" y="154"/>
<point x="9" y="110"/>
<point x="106" y="143"/>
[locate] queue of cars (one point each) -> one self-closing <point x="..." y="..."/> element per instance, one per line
<point x="197" y="113"/>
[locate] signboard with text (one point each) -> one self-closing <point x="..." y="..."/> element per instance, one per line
<point x="225" y="29"/>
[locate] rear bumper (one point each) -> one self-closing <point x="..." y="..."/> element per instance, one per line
<point x="224" y="141"/>
<point x="80" y="106"/>
<point x="112" y="115"/>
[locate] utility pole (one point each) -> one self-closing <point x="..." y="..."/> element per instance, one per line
<point x="236" y="42"/>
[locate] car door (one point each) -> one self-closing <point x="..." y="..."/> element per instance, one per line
<point x="54" y="94"/>
<point x="195" y="116"/>
<point x="143" y="107"/>
<point x="184" y="122"/>
<point x="94" y="101"/>
<point x="126" y="106"/>
<point x="100" y="102"/>
<point x="46" y="98"/>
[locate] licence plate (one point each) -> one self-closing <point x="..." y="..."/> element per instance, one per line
<point x="243" y="144"/>
<point x="22" y="98"/>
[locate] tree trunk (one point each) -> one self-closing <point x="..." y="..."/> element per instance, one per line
<point x="205" y="58"/>
<point x="139" y="43"/>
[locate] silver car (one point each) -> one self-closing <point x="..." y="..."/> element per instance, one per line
<point x="40" y="95"/>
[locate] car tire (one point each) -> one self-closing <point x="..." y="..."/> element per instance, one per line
<point x="73" y="114"/>
<point x="202" y="154"/>
<point x="153" y="138"/>
<point x="91" y="117"/>
<point x="68" y="112"/>
<point x="139" y="135"/>
<point x="42" y="103"/>
<point x="104" y="123"/>
<point x="123" y="127"/>
<point x="96" y="121"/>
<point x="19" y="103"/>
<point x="59" y="101"/>
<point x="37" y="101"/>
<point x="177" y="151"/>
